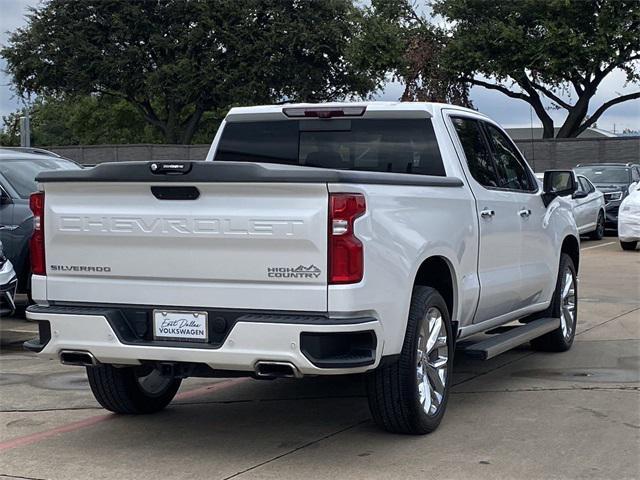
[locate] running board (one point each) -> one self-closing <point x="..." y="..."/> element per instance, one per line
<point x="503" y="342"/>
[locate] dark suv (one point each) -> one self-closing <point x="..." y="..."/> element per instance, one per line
<point x="612" y="179"/>
<point x="18" y="170"/>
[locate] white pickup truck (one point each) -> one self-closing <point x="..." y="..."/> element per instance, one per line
<point x="315" y="240"/>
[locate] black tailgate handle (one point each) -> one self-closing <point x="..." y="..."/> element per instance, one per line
<point x="175" y="193"/>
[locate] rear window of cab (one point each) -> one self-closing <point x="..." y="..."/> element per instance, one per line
<point x="375" y="145"/>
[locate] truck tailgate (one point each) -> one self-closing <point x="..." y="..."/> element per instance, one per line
<point x="237" y="245"/>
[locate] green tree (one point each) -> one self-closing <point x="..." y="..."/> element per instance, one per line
<point x="552" y="50"/>
<point x="74" y="120"/>
<point x="10" y="132"/>
<point x="394" y="39"/>
<point x="176" y="60"/>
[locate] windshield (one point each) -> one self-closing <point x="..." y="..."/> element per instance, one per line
<point x="378" y="145"/>
<point x="604" y="175"/>
<point x="21" y="173"/>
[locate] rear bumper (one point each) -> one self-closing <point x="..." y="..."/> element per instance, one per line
<point x="314" y="344"/>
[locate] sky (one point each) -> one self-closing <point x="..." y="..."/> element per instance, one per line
<point x="506" y="111"/>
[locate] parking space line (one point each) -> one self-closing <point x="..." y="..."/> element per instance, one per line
<point x="88" y="422"/>
<point x="36" y="437"/>
<point x="598" y="246"/>
<point x="607" y="321"/>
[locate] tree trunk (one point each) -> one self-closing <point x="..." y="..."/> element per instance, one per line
<point x="191" y="126"/>
<point x="547" y="122"/>
<point x="172" y="132"/>
<point x="534" y="100"/>
<point x="548" y="130"/>
<point x="577" y="114"/>
<point x="152" y="118"/>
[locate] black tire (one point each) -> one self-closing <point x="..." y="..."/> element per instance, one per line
<point x="392" y="389"/>
<point x="628" y="245"/>
<point x="119" y="389"/>
<point x="558" y="340"/>
<point x="598" y="233"/>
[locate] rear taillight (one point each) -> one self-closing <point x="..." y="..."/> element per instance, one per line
<point x="346" y="257"/>
<point x="36" y="203"/>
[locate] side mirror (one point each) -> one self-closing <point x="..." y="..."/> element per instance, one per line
<point x="579" y="194"/>
<point x="558" y="183"/>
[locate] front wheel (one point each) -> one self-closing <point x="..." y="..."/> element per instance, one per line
<point x="564" y="306"/>
<point x="410" y="394"/>
<point x="598" y="233"/>
<point x="131" y="390"/>
<point x="628" y="245"/>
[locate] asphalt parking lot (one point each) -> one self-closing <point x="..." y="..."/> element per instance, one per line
<point x="521" y="415"/>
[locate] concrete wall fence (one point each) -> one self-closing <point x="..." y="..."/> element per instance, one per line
<point x="541" y="154"/>
<point x="567" y="153"/>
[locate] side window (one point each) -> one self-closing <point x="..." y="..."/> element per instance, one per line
<point x="584" y="185"/>
<point x="635" y="174"/>
<point x="476" y="150"/>
<point x="511" y="169"/>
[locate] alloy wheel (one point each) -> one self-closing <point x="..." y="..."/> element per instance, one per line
<point x="568" y="304"/>
<point x="600" y="225"/>
<point x="431" y="361"/>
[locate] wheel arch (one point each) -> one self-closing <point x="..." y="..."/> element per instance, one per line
<point x="571" y="246"/>
<point x="438" y="272"/>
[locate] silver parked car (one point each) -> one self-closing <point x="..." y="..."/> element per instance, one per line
<point x="588" y="207"/>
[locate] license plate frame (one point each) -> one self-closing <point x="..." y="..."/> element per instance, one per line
<point x="180" y="325"/>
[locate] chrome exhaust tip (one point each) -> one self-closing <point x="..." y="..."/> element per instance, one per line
<point x="77" y="358"/>
<point x="267" y="369"/>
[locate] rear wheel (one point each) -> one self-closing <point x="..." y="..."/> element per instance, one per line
<point x="410" y="395"/>
<point x="628" y="245"/>
<point x="564" y="305"/>
<point x="598" y="233"/>
<point x="131" y="390"/>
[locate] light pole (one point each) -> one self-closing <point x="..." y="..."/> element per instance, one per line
<point x="25" y="129"/>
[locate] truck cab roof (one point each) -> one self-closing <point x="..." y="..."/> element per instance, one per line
<point x="388" y="109"/>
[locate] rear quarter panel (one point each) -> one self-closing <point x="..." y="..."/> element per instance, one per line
<point x="403" y="227"/>
<point x="559" y="223"/>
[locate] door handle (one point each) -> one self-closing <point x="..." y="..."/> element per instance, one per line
<point x="524" y="213"/>
<point x="486" y="213"/>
